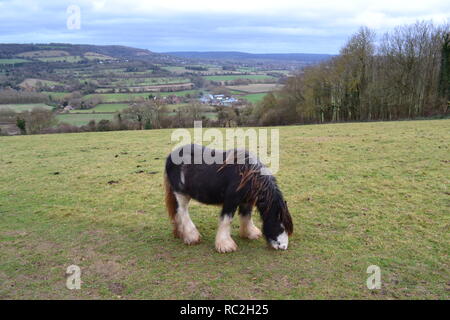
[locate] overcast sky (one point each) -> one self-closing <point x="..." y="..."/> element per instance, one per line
<point x="275" y="26"/>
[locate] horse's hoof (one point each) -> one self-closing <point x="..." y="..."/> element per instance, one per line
<point x="226" y="246"/>
<point x="251" y="234"/>
<point x="192" y="238"/>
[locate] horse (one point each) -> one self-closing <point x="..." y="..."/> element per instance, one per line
<point x="234" y="180"/>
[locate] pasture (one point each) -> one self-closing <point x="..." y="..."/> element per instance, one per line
<point x="70" y="59"/>
<point x="254" y="97"/>
<point x="360" y="194"/>
<point x="13" y="61"/>
<point x="235" y="77"/>
<point x="80" y="119"/>
<point x="104" y="107"/>
<point x="255" y="87"/>
<point x="130" y="97"/>
<point x="24" y="107"/>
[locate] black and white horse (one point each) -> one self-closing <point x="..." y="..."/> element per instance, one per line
<point x="234" y="182"/>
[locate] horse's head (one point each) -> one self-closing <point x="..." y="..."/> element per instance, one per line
<point x="277" y="226"/>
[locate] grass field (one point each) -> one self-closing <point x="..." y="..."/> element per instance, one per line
<point x="255" y="87"/>
<point x="70" y="59"/>
<point x="83" y="118"/>
<point x="24" y="107"/>
<point x="55" y="94"/>
<point x="104" y="107"/>
<point x="31" y="83"/>
<point x="254" y="97"/>
<point x="359" y="194"/>
<point x="13" y="61"/>
<point x="127" y="97"/>
<point x="235" y="77"/>
<point x="147" y="81"/>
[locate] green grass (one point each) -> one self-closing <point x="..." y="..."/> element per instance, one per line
<point x="104" y="107"/>
<point x="254" y="97"/>
<point x="127" y="97"/>
<point x="359" y="194"/>
<point x="147" y="81"/>
<point x="84" y="118"/>
<point x="13" y="61"/>
<point x="235" y="77"/>
<point x="175" y="69"/>
<point x="32" y="82"/>
<point x="24" y="107"/>
<point x="55" y="95"/>
<point x="70" y="59"/>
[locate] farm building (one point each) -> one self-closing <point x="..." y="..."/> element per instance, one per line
<point x="218" y="100"/>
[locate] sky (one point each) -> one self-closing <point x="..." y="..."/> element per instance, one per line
<point x="275" y="26"/>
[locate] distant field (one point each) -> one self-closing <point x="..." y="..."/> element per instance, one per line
<point x="32" y="83"/>
<point x="147" y="81"/>
<point x="254" y="97"/>
<point x="70" y="59"/>
<point x="126" y="97"/>
<point x="55" y="94"/>
<point x="105" y="107"/>
<point x="256" y="87"/>
<point x="175" y="69"/>
<point x="13" y="61"/>
<point x="235" y="77"/>
<point x="178" y="69"/>
<point x="43" y="53"/>
<point x="360" y="194"/>
<point x="24" y="107"/>
<point x="97" y="56"/>
<point x="82" y="119"/>
<point x="156" y="89"/>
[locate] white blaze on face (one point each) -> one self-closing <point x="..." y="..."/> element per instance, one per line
<point x="281" y="243"/>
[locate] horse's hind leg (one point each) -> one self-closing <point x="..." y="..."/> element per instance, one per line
<point x="184" y="226"/>
<point x="224" y="242"/>
<point x="247" y="229"/>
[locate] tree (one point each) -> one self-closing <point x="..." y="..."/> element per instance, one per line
<point x="22" y="125"/>
<point x="147" y="114"/>
<point x="38" y="119"/>
<point x="444" y="76"/>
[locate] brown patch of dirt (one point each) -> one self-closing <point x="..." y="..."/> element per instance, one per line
<point x="107" y="269"/>
<point x="116" y="287"/>
<point x="15" y="233"/>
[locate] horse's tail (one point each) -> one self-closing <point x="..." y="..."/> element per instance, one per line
<point x="171" y="201"/>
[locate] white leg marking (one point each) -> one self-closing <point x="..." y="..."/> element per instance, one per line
<point x="224" y="242"/>
<point x="185" y="227"/>
<point x="248" y="229"/>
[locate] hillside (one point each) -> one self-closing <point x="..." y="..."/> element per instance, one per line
<point x="360" y="194"/>
<point x="63" y="49"/>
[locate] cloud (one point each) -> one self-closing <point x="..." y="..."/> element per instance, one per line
<point x="257" y="26"/>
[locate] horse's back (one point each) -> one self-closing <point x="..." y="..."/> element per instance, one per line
<point x="202" y="181"/>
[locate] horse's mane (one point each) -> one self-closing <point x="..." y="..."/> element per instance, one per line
<point x="262" y="188"/>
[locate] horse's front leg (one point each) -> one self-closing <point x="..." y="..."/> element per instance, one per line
<point x="247" y="228"/>
<point x="224" y="242"/>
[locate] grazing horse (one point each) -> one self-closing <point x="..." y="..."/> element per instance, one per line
<point x="234" y="182"/>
